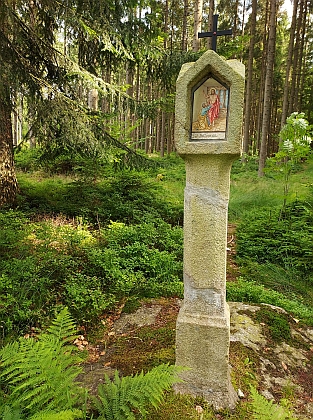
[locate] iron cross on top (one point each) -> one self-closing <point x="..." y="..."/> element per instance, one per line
<point x="215" y="33"/>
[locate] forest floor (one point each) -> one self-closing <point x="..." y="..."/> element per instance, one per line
<point x="269" y="349"/>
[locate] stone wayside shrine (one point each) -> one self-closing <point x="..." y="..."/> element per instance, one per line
<point x="208" y="134"/>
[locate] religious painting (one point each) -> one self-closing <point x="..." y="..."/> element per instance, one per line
<point x="210" y="111"/>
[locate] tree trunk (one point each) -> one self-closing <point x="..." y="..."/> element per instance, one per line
<point x="8" y="182"/>
<point x="236" y="19"/>
<point x="197" y="25"/>
<point x="210" y="23"/>
<point x="289" y="62"/>
<point x="262" y="78"/>
<point x="295" y="63"/>
<point x="165" y="24"/>
<point x="268" y="88"/>
<point x="304" y="75"/>
<point x="163" y="121"/>
<point x="184" y="38"/>
<point x="301" y="70"/>
<point x="246" y="141"/>
<point x="93" y="99"/>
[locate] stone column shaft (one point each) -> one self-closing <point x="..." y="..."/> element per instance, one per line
<point x="202" y="330"/>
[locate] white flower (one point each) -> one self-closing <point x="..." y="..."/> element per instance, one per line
<point x="287" y="145"/>
<point x="300" y="123"/>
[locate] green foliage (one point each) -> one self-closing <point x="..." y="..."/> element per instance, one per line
<point x="86" y="297"/>
<point x="56" y="260"/>
<point x="283" y="239"/>
<point x="9" y="413"/>
<point x="26" y="159"/>
<point x="274" y="248"/>
<point x="61" y="415"/>
<point x="13" y="229"/>
<point x="117" y="400"/>
<point x="294" y="147"/>
<point x="39" y="374"/>
<point x="248" y="291"/>
<point x="125" y="197"/>
<point x="38" y="379"/>
<point x="267" y="410"/>
<point x="15" y="414"/>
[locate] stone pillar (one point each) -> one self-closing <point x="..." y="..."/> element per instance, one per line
<point x="208" y="137"/>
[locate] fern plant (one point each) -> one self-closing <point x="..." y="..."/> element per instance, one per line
<point x="61" y="415"/>
<point x="15" y="414"/>
<point x="39" y="373"/>
<point x="9" y="413"/>
<point x="267" y="410"/>
<point x="118" y="399"/>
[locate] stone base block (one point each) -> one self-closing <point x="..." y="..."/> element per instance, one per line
<point x="202" y="345"/>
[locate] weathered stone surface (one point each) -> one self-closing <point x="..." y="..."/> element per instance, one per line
<point x="231" y="73"/>
<point x="281" y="364"/>
<point x="203" y="324"/>
<point x="143" y="316"/>
<point x="243" y="328"/>
<point x="203" y="345"/>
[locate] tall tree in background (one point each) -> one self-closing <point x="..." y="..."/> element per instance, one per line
<point x="248" y="95"/>
<point x="268" y="87"/>
<point x="210" y="23"/>
<point x="289" y="63"/>
<point x="296" y="67"/>
<point x="184" y="38"/>
<point x="198" y="8"/>
<point x="8" y="182"/>
<point x="25" y="61"/>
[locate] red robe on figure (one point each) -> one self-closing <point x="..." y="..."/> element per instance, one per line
<point x="214" y="110"/>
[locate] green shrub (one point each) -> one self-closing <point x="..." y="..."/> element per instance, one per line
<point x="127" y="197"/>
<point x="27" y="159"/>
<point x="61" y="261"/>
<point x="282" y="239"/>
<point x="86" y="298"/>
<point x="156" y="234"/>
<point x="14" y="228"/>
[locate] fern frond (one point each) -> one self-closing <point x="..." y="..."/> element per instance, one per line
<point x="41" y="373"/>
<point x="267" y="410"/>
<point x="118" y="398"/>
<point x="10" y="413"/>
<point x="62" y="415"/>
<point x="63" y="326"/>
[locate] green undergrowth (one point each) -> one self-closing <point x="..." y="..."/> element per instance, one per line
<point x="249" y="193"/>
<point x="38" y="380"/>
<point x="92" y="244"/>
<point x="55" y="261"/>
<point x="274" y="252"/>
<point x="125" y="196"/>
<point x="251" y="292"/>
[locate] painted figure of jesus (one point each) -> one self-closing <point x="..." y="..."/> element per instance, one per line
<point x="213" y="102"/>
